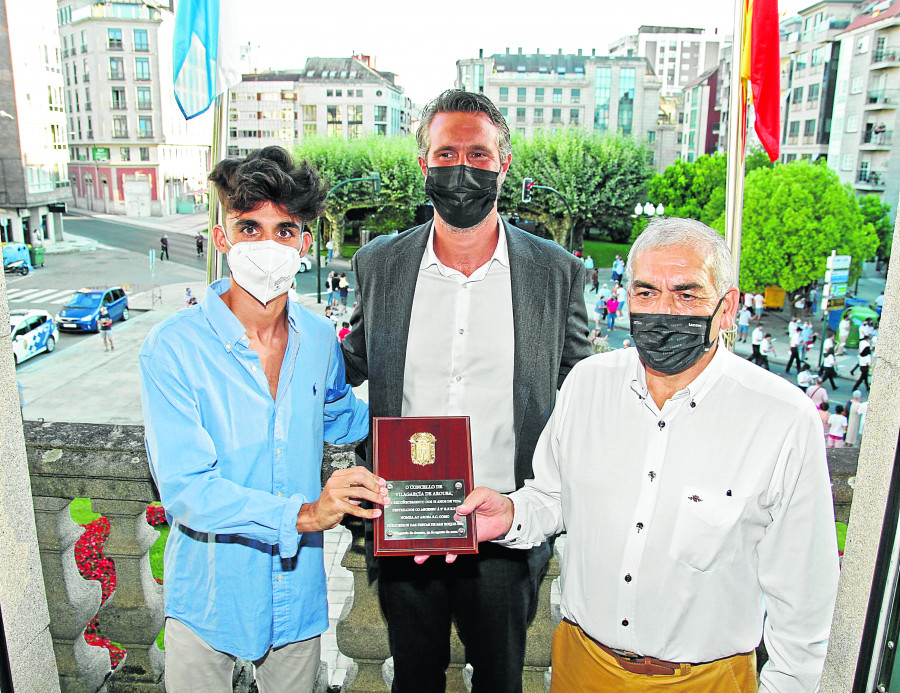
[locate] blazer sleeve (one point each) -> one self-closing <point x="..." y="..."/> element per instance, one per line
<point x="354" y="344"/>
<point x="576" y="345"/>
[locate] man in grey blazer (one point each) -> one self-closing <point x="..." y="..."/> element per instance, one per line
<point x="466" y="315"/>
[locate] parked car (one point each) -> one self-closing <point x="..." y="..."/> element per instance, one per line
<point x="305" y="264"/>
<point x="33" y="332"/>
<point x="82" y="311"/>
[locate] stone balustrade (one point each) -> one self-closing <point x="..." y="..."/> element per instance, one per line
<point x="108" y="464"/>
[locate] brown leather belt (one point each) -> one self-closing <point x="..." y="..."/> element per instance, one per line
<point x="638" y="664"/>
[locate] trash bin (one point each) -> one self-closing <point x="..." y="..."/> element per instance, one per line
<point x="37" y="256"/>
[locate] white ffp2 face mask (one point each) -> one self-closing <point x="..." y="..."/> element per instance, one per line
<point x="264" y="269"/>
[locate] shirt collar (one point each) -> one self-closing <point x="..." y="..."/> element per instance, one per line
<point x="501" y="253"/>
<point x="225" y="324"/>
<point x="696" y="390"/>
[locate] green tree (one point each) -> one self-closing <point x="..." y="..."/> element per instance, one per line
<point x="601" y="177"/>
<point x="693" y="190"/>
<point x="794" y="215"/>
<point x="877" y="213"/>
<point x="337" y="159"/>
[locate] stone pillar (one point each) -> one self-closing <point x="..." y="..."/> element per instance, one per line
<point x="867" y="513"/>
<point x="18" y="231"/>
<point x="26" y="619"/>
<point x="56" y="235"/>
<point x="34" y="226"/>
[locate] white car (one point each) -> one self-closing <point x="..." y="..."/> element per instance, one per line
<point x="305" y="264"/>
<point x="33" y="331"/>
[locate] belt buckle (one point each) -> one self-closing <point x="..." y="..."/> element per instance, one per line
<point x="628" y="656"/>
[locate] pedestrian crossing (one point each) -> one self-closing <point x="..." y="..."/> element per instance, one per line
<point x="43" y="296"/>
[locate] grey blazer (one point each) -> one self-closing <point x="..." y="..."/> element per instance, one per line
<point x="549" y="318"/>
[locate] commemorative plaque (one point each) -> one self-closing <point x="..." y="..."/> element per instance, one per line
<point x="427" y="463"/>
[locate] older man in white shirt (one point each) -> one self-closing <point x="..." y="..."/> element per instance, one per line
<point x="707" y="521"/>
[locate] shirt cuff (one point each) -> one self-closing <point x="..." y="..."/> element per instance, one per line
<point x="515" y="537"/>
<point x="288" y="536"/>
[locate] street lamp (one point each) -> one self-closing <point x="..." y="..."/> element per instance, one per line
<point x="648" y="209"/>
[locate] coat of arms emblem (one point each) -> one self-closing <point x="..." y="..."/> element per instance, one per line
<point x="422" y="448"/>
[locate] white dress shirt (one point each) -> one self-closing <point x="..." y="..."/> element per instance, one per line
<point x="690" y="525"/>
<point x="459" y="357"/>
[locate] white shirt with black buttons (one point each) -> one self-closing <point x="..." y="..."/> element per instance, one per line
<point x="691" y="526"/>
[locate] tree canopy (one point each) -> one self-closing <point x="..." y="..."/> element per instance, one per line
<point x="876" y="212"/>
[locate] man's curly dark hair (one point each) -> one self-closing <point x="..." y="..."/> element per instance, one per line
<point x="269" y="175"/>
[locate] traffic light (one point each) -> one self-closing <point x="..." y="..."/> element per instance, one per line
<point x="527" y="185"/>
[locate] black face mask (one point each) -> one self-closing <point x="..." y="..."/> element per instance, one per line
<point x="462" y="195"/>
<point x="671" y="344"/>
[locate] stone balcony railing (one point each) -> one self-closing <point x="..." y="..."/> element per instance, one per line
<point x="108" y="464"/>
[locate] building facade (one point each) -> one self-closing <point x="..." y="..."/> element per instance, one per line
<point x="701" y="116"/>
<point x="131" y="151"/>
<point x="862" y="148"/>
<point x="547" y="91"/>
<point x="34" y="181"/>
<point x="344" y="97"/>
<point x="678" y="55"/>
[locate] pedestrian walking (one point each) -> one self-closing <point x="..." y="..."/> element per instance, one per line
<point x="618" y="268"/>
<point x="343" y="291"/>
<point x="795" y="351"/>
<point x="756" y="340"/>
<point x="804" y="376"/>
<point x="622" y="299"/>
<point x="837" y="426"/>
<point x="816" y="392"/>
<point x="829" y="364"/>
<point x="766" y="349"/>
<point x="595" y="280"/>
<point x="105" y="324"/>
<point x="335" y="289"/>
<point x="759" y="306"/>
<point x="823" y="414"/>
<point x="799" y="307"/>
<point x="743" y="332"/>
<point x="189" y="299"/>
<point x="329" y="246"/>
<point x="164" y="247"/>
<point x="863" y="361"/>
<point x="843" y="335"/>
<point x="612" y="306"/>
<point x="198" y="240"/>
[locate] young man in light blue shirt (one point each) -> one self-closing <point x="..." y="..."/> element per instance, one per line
<point x="239" y="394"/>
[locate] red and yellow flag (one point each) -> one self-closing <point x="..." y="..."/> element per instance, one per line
<point x="761" y="68"/>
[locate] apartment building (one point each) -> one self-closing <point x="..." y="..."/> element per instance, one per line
<point x="343" y="97"/>
<point x="701" y="116"/>
<point x="34" y="182"/>
<point x="862" y="148"/>
<point x="131" y="150"/>
<point x="678" y="55"/>
<point x="811" y="55"/>
<point x="550" y="91"/>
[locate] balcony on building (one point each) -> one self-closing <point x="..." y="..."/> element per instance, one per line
<point x="877" y="139"/>
<point x="886" y="58"/>
<point x="882" y="99"/>
<point x="870" y="179"/>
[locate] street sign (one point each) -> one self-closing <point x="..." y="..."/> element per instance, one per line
<point x="152" y="258"/>
<point x="838" y="290"/>
<point x="837" y="276"/>
<point x="834" y="304"/>
<point x="838" y="262"/>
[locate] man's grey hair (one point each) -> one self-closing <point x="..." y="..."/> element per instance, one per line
<point x="671" y="231"/>
<point x="458" y="100"/>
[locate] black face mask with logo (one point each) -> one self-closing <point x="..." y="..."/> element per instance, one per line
<point x="671" y="344"/>
<point x="463" y="196"/>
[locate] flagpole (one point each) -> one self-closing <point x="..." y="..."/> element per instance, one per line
<point x="214" y="264"/>
<point x="737" y="110"/>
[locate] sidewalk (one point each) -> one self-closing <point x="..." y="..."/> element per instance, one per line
<point x="184" y="224"/>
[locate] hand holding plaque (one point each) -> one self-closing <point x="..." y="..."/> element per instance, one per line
<point x="427" y="463"/>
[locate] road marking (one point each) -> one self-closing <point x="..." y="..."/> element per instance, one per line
<point x="60" y="297"/>
<point x="40" y="296"/>
<point x="19" y="295"/>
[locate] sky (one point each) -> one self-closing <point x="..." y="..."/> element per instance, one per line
<point x="421" y="41"/>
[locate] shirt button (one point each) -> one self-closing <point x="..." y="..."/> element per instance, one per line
<point x="628" y="577"/>
<point x="624" y="620"/>
<point x="458" y="378"/>
<point x="278" y="451"/>
<point x="279" y="580"/>
<point x="279" y="494"/>
<point x="227" y="345"/>
<point x="461" y="330"/>
<point x="661" y="424"/>
<point x="253" y="368"/>
<point x="640" y="526"/>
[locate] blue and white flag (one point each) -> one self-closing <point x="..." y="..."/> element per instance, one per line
<point x="206" y="53"/>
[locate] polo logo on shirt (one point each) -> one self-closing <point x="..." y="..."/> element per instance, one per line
<point x="695" y="498"/>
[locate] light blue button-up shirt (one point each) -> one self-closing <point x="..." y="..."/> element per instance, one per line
<point x="233" y="467"/>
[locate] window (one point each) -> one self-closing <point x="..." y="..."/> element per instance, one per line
<point x="557" y="96"/>
<point x="87" y="99"/>
<point x="852" y="124"/>
<point x="626" y="99"/>
<point x="539" y="95"/>
<point x="118" y="98"/>
<point x="504" y="93"/>
<point x="144" y="100"/>
<point x="793" y="131"/>
<point x="801" y="61"/>
<point x="538" y="115"/>
<point x="145" y="153"/>
<point x="862" y="44"/>
<point x="381" y="113"/>
<point x="335" y="120"/>
<point x="504" y="111"/>
<point x="309" y="113"/>
<point x="329" y="92"/>
<point x="817" y="57"/>
<point x="847" y="162"/>
<point x="338" y="92"/>
<point x="116" y="68"/>
<point x="84" y="42"/>
<point x="380" y="129"/>
<point x="140" y="40"/>
<point x="573" y="115"/>
<point x="856" y="85"/>
<point x="90" y="129"/>
<point x="521" y="94"/>
<point x="142" y="69"/>
<point x="145" y="127"/>
<point x="125" y="153"/>
<point x="651" y="136"/>
<point x="556" y="116"/>
<point x="359" y="93"/>
<point x="809" y="128"/>
<point x="85" y="73"/>
<point x="520" y="115"/>
<point x="354" y="113"/>
<point x="576" y="96"/>
<point x="813" y="92"/>
<point x="309" y="130"/>
<point x="798" y="95"/>
<point x="120" y="126"/>
<point x="602" y="93"/>
<point x="114" y="39"/>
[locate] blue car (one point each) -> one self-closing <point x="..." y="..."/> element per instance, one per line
<point x="33" y="331"/>
<point x="82" y="311"/>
